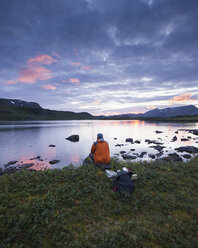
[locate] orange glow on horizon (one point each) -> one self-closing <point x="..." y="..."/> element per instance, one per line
<point x="114" y="113"/>
<point x="151" y="107"/>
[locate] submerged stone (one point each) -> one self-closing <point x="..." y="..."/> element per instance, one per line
<point x="73" y="138"/>
<point x="126" y="156"/>
<point x="55" y="161"/>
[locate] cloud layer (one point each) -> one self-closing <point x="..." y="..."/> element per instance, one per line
<point x="100" y="56"/>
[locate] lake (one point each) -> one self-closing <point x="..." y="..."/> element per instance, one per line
<point x="24" y="141"/>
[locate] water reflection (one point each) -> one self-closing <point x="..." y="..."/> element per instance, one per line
<point x="37" y="164"/>
<point x="23" y="141"/>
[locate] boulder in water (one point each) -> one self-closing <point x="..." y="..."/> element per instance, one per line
<point x="73" y="138"/>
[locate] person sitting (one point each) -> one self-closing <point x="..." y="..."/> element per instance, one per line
<point x="100" y="153"/>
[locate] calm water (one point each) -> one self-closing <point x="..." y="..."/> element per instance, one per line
<point x="23" y="141"/>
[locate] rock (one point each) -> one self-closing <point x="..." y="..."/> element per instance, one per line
<point x="142" y="154"/>
<point x="73" y="138"/>
<point x="119" y="145"/>
<point x="122" y="152"/>
<point x="35" y="158"/>
<point x="54" y="161"/>
<point x="174" y="154"/>
<point x="157" y="142"/>
<point x="27" y="165"/>
<point x="173" y="157"/>
<point x="116" y="154"/>
<point x="159" y="154"/>
<point x="10" y="170"/>
<point x="115" y="138"/>
<point x="174" y="139"/>
<point x="151" y="156"/>
<point x="137" y="141"/>
<point x="184" y="139"/>
<point x="158" y="147"/>
<point x="51" y="145"/>
<point x="193" y="131"/>
<point x="189" y="137"/>
<point x="153" y="142"/>
<point x="132" y="149"/>
<point x="176" y="132"/>
<point x="189" y="149"/>
<point x="10" y="163"/>
<point x="126" y="156"/>
<point x="157" y="131"/>
<point x="129" y="140"/>
<point x="187" y="156"/>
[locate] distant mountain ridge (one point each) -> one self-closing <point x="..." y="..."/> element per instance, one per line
<point x="15" y="109"/>
<point x="188" y="110"/>
<point x="172" y="112"/>
<point x="19" y="103"/>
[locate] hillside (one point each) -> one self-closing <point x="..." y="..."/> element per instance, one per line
<point x="18" y="110"/>
<point x="172" y="112"/>
<point x="14" y="109"/>
<point x="77" y="208"/>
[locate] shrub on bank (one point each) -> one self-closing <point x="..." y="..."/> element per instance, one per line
<point x="76" y="207"/>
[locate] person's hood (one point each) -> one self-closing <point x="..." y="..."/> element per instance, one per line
<point x="100" y="140"/>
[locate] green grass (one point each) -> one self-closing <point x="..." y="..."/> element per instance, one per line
<point x="77" y="207"/>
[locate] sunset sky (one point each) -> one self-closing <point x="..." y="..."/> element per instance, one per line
<point x="100" y="56"/>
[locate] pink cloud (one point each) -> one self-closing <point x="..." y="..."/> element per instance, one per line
<point x="181" y="98"/>
<point x="11" y="82"/>
<point x="75" y="63"/>
<point x="74" y="81"/>
<point x="34" y="71"/>
<point x="49" y="87"/>
<point x="41" y="59"/>
<point x="86" y="68"/>
<point x="31" y="74"/>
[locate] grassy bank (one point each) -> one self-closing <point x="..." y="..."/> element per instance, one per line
<point x="77" y="208"/>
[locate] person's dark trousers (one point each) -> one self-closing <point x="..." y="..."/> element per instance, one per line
<point x="91" y="155"/>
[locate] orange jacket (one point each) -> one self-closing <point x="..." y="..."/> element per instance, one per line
<point x="100" y="149"/>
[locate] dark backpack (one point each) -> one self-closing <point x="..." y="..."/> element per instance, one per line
<point x="123" y="182"/>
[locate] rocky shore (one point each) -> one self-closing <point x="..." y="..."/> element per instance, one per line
<point x="182" y="153"/>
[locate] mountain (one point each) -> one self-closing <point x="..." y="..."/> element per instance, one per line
<point x="172" y="112"/>
<point x="14" y="109"/>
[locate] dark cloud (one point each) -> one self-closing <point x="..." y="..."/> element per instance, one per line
<point x="140" y="46"/>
